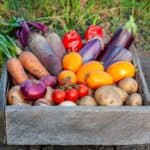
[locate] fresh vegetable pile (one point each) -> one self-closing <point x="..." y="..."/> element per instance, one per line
<point x="71" y="72"/>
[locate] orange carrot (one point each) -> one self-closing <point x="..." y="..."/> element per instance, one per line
<point x="32" y="64"/>
<point x="16" y="70"/>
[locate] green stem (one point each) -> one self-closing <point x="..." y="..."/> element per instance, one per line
<point x="95" y="20"/>
<point x="130" y="25"/>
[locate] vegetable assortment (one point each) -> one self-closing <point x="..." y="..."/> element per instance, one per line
<point x="67" y="72"/>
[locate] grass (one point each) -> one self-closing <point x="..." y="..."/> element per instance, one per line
<point x="78" y="14"/>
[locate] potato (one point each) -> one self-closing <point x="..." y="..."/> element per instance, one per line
<point x="87" y="101"/>
<point x="129" y="85"/>
<point x="48" y="95"/>
<point x="123" y="94"/>
<point x="15" y="97"/>
<point x="134" y="99"/>
<point x="107" y="96"/>
<point x="42" y="102"/>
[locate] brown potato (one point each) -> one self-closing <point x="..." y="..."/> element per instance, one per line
<point x="107" y="96"/>
<point x="42" y="102"/>
<point x="123" y="94"/>
<point x="87" y="101"/>
<point x="15" y="97"/>
<point x="129" y="85"/>
<point x="134" y="99"/>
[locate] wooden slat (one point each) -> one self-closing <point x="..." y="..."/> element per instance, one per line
<point x="3" y="85"/>
<point x="140" y="76"/>
<point x="77" y="125"/>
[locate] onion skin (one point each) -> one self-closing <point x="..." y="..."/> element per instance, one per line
<point x="49" y="80"/>
<point x="67" y="103"/>
<point x="33" y="89"/>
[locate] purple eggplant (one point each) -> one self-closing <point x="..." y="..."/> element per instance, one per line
<point x="91" y="49"/>
<point x="56" y="43"/>
<point x="117" y="53"/>
<point x="124" y="35"/>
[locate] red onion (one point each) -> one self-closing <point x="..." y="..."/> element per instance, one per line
<point x="49" y="80"/>
<point x="33" y="89"/>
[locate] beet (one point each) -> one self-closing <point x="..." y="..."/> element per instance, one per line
<point x="56" y="44"/>
<point x="40" y="47"/>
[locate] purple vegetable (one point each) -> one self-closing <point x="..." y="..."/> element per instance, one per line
<point x="23" y="32"/>
<point x="49" y="81"/>
<point x="117" y="53"/>
<point x="56" y="44"/>
<point x="40" y="47"/>
<point x="91" y="49"/>
<point x="124" y="36"/>
<point x="33" y="89"/>
<point x="39" y="26"/>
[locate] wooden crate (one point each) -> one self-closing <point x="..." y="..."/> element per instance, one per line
<point x="97" y="125"/>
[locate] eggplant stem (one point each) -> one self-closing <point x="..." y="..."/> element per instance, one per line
<point x="130" y="25"/>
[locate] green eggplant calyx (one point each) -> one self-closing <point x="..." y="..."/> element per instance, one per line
<point x="130" y="25"/>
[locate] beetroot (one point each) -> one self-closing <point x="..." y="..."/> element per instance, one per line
<point x="49" y="81"/>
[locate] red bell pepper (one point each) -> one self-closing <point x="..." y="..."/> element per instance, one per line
<point x="72" y="41"/>
<point x="94" y="30"/>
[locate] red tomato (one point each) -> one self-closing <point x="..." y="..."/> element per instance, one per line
<point x="58" y="96"/>
<point x="83" y="90"/>
<point x="72" y="95"/>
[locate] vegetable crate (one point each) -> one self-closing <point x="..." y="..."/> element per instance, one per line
<point x="97" y="125"/>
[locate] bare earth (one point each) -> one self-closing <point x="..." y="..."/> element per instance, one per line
<point x="145" y="61"/>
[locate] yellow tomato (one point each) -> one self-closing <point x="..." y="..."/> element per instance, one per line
<point x="121" y="70"/>
<point x="99" y="78"/>
<point x="85" y="69"/>
<point x="72" y="61"/>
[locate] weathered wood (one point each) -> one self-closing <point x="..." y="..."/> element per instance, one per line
<point x="140" y="77"/>
<point x="48" y="147"/>
<point x="3" y="83"/>
<point x="77" y="125"/>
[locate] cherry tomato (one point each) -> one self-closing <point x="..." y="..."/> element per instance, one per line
<point x="72" y="95"/>
<point x="58" y="96"/>
<point x="83" y="90"/>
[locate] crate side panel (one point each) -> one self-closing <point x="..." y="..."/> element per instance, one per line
<point x="3" y="86"/>
<point x="78" y="125"/>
